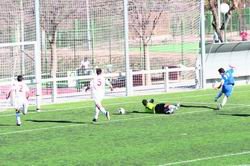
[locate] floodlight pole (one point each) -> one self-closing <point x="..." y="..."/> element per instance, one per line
<point x="38" y="57"/>
<point x="129" y="85"/>
<point x="202" y="45"/>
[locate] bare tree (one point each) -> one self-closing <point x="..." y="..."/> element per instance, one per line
<point x="9" y="16"/>
<point x="144" y="17"/>
<point x="213" y="7"/>
<point x="53" y="14"/>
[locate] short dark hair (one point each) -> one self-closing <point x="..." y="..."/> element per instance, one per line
<point x="151" y="100"/>
<point x="145" y="102"/>
<point x="221" y="70"/>
<point x="98" y="71"/>
<point x="19" y="78"/>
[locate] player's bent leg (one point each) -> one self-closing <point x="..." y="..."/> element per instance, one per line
<point x="224" y="101"/>
<point x="171" y="109"/>
<point x="22" y="109"/>
<point x="102" y="109"/>
<point x="227" y="90"/>
<point x="178" y="105"/>
<point x="218" y="96"/>
<point x="18" y="118"/>
<point x="99" y="106"/>
<point x="97" y="110"/>
<point x="25" y="108"/>
<point x="107" y="115"/>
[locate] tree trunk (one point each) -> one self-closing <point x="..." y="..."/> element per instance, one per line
<point x="53" y="67"/>
<point x="146" y="63"/>
<point x="221" y="30"/>
<point x="216" y="24"/>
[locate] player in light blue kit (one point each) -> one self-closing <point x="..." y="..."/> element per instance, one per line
<point x="226" y="85"/>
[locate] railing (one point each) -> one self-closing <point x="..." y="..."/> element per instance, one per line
<point x="72" y="88"/>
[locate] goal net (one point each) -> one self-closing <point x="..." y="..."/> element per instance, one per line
<point x="164" y="34"/>
<point x="17" y="59"/>
<point x="17" y="45"/>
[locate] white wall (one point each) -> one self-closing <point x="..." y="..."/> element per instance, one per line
<point x="240" y="59"/>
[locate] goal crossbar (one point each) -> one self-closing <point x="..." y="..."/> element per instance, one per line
<point x="36" y="68"/>
<point x="17" y="44"/>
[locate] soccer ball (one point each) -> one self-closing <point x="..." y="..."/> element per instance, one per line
<point x="121" y="111"/>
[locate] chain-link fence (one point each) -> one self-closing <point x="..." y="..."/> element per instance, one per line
<point x="17" y="43"/>
<point x="79" y="35"/>
<point x="237" y="28"/>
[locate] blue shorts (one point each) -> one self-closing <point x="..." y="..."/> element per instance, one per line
<point x="227" y="90"/>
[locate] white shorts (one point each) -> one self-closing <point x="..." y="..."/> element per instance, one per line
<point x="21" y="105"/>
<point x="98" y="100"/>
<point x="98" y="97"/>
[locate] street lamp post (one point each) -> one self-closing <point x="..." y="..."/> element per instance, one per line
<point x="224" y="8"/>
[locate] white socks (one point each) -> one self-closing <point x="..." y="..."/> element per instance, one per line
<point x="224" y="101"/>
<point x="18" y="119"/>
<point x="98" y="109"/>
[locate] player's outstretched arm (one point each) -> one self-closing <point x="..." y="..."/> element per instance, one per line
<point x="8" y="95"/>
<point x="232" y="67"/>
<point x="111" y="88"/>
<point x="88" y="87"/>
<point x="220" y="85"/>
<point x="107" y="82"/>
<point x="217" y="85"/>
<point x="27" y="95"/>
<point x="27" y="92"/>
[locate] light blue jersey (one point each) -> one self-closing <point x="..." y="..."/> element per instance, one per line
<point x="228" y="78"/>
<point x="228" y="84"/>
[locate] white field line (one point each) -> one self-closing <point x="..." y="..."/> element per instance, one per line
<point x="113" y="104"/>
<point x="207" y="158"/>
<point x="83" y="107"/>
<point x="73" y="125"/>
<point x="206" y="103"/>
<point x="172" y="99"/>
<point x="112" y="121"/>
<point x="40" y="129"/>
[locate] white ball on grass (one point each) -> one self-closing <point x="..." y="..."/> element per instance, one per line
<point x="121" y="111"/>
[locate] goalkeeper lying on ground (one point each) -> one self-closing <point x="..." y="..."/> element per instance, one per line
<point x="160" y="108"/>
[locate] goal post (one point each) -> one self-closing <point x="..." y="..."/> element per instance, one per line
<point x="20" y="52"/>
<point x="20" y="58"/>
<point x="38" y="66"/>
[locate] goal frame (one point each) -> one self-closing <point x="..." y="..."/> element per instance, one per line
<point x="37" y="67"/>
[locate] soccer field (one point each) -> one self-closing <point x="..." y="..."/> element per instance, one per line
<point x="63" y="134"/>
<point x="172" y="48"/>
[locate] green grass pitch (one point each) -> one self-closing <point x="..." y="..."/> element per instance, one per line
<point x="172" y="48"/>
<point x="63" y="134"/>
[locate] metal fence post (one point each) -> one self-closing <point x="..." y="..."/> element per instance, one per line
<point x="38" y="57"/>
<point x="202" y="44"/>
<point x="166" y="80"/>
<point x="126" y="48"/>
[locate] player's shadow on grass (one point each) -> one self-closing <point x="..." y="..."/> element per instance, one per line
<point x="239" y="115"/>
<point x="4" y="125"/>
<point x="54" y="121"/>
<point x="197" y="106"/>
<point x="118" y="114"/>
<point x="137" y="112"/>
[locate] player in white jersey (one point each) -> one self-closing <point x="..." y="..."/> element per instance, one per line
<point x="97" y="85"/>
<point x="20" y="93"/>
